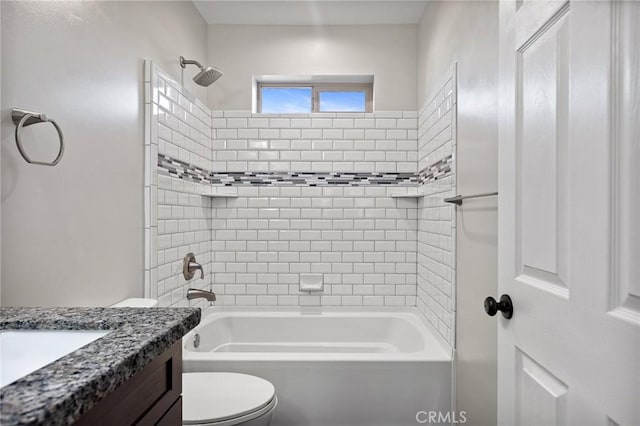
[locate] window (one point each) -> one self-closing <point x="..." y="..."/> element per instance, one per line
<point x="314" y="97"/>
<point x="286" y="99"/>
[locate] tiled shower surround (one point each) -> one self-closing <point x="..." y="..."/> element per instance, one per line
<point x="177" y="217"/>
<point x="436" y="219"/>
<point x="350" y="230"/>
<point x="314" y="196"/>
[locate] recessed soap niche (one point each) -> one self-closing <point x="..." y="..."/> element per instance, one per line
<point x="311" y="282"/>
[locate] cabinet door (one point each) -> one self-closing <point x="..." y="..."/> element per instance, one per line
<point x="145" y="398"/>
<point x="173" y="417"/>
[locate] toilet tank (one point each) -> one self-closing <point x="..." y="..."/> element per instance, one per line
<point x="136" y="303"/>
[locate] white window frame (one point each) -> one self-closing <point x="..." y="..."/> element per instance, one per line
<point x="317" y="88"/>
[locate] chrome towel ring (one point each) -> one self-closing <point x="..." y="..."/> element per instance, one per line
<point x="22" y="118"/>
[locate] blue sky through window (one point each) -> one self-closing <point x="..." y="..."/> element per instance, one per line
<point x="286" y="100"/>
<point x="299" y="100"/>
<point x="343" y="101"/>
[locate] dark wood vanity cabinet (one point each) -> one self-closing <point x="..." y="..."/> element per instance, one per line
<point x="150" y="397"/>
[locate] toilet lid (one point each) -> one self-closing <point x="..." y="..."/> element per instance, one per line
<point x="212" y="397"/>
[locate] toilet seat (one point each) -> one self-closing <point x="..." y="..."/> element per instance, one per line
<point x="225" y="399"/>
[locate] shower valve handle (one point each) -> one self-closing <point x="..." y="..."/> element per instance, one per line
<point x="491" y="307"/>
<point x="190" y="266"/>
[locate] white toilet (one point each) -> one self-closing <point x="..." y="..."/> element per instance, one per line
<point x="227" y="399"/>
<point x="220" y="399"/>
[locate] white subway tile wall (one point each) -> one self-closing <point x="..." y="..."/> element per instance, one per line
<point x="369" y="248"/>
<point x="384" y="142"/>
<point x="362" y="241"/>
<point x="177" y="217"/>
<point x="436" y="260"/>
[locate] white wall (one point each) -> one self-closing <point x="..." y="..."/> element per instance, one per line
<point x="73" y="234"/>
<point x="467" y="32"/>
<point x="243" y="51"/>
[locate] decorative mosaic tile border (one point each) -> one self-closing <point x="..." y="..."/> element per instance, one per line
<point x="311" y="179"/>
<point x="182" y="170"/>
<point x="436" y="171"/>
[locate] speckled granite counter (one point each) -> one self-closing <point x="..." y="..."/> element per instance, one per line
<point x="62" y="391"/>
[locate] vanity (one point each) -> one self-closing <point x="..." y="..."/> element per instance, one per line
<point x="110" y="366"/>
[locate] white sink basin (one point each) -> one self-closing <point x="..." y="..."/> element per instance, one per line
<point x="24" y="351"/>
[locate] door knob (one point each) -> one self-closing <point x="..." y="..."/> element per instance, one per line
<point x="491" y="307"/>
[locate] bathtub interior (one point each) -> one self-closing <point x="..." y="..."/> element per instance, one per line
<point x="330" y="332"/>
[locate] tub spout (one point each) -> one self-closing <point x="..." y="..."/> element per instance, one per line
<point x="194" y="293"/>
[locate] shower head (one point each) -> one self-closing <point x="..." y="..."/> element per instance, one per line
<point x="206" y="76"/>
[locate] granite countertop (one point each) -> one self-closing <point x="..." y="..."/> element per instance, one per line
<point x="62" y="391"/>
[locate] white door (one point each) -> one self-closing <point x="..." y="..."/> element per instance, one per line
<point x="569" y="213"/>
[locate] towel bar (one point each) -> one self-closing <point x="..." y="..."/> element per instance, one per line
<point x="457" y="200"/>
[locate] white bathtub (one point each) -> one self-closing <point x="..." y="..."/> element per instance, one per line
<point x="331" y="368"/>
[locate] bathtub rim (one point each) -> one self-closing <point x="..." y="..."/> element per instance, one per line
<point x="442" y="353"/>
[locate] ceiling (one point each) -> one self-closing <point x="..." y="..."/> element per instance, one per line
<point x="310" y="12"/>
